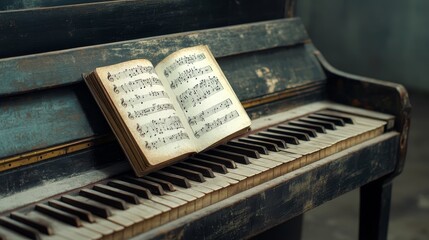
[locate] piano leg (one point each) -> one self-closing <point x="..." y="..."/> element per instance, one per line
<point x="374" y="210"/>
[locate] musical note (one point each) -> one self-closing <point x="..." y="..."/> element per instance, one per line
<point x="188" y="74"/>
<point x="209" y="111"/>
<point x="215" y="123"/>
<point x="188" y="59"/>
<point x="195" y="95"/>
<point x="136" y="84"/>
<point x="140" y="99"/>
<point x="147" y="111"/>
<point x="132" y="72"/>
<point x="166" y="140"/>
<point x="160" y="126"/>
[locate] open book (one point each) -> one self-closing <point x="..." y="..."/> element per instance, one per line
<point x="165" y="113"/>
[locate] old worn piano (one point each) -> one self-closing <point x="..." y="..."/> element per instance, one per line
<point x="316" y="132"/>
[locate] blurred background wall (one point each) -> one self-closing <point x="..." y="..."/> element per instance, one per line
<point x="384" y="39"/>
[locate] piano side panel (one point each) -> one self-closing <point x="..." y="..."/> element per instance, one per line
<point x="46" y="29"/>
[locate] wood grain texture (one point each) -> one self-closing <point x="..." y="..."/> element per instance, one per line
<point x="45" y="29"/>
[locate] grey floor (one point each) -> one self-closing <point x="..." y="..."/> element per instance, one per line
<point x="409" y="220"/>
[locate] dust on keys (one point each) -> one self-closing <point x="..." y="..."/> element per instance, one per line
<point x="125" y="206"/>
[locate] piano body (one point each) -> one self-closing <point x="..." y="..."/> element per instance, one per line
<point x="317" y="132"/>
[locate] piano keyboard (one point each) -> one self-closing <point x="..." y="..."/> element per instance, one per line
<point x="124" y="206"/>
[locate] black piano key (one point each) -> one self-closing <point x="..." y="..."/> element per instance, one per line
<point x="316" y="127"/>
<point x="93" y="207"/>
<point x="344" y="118"/>
<point x="260" y="149"/>
<point x="336" y="121"/>
<point x="205" y="171"/>
<point x="280" y="143"/>
<point x="270" y="146"/>
<point x="20" y="228"/>
<point x="115" y="192"/>
<point x="166" y="186"/>
<point x="104" y="199"/>
<point x="189" y="174"/>
<point x="215" y="167"/>
<point x="38" y="224"/>
<point x="9" y="234"/>
<point x="172" y="178"/>
<point x="226" y="162"/>
<point x="82" y="214"/>
<point x="62" y="216"/>
<point x="299" y="135"/>
<point x="229" y="155"/>
<point x="154" y="188"/>
<point x="240" y="150"/>
<point x="325" y="124"/>
<point x="130" y="187"/>
<point x="309" y="131"/>
<point x="285" y="138"/>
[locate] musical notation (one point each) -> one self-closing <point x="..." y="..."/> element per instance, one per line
<point x="136" y="84"/>
<point x="195" y="95"/>
<point x="160" y="126"/>
<point x="209" y="111"/>
<point x="188" y="74"/>
<point x="216" y="123"/>
<point x="140" y="99"/>
<point x="131" y="72"/>
<point x="166" y="140"/>
<point x="188" y="59"/>
<point x="150" y="110"/>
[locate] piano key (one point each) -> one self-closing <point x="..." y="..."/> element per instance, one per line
<point x="172" y="178"/>
<point x="309" y="131"/>
<point x="334" y="120"/>
<point x="189" y="174"/>
<point x="130" y="187"/>
<point x="325" y="124"/>
<point x="336" y="115"/>
<point x="93" y="207"/>
<point x="215" y="167"/>
<point x="59" y="215"/>
<point x="124" y="195"/>
<point x="239" y="158"/>
<point x="285" y="138"/>
<point x="299" y="135"/>
<point x="167" y="186"/>
<point x="8" y="234"/>
<point x="317" y="127"/>
<point x="260" y="149"/>
<point x="205" y="171"/>
<point x="82" y="214"/>
<point x="154" y="188"/>
<point x="226" y="162"/>
<point x="40" y="226"/>
<point x="278" y="142"/>
<point x="270" y="146"/>
<point x="104" y="198"/>
<point x="20" y="228"/>
<point x="239" y="150"/>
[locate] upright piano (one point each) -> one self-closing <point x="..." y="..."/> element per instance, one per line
<point x="316" y="132"/>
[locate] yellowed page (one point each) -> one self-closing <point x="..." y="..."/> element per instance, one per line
<point x="203" y="93"/>
<point x="147" y="110"/>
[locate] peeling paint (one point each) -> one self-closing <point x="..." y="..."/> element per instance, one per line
<point x="270" y="80"/>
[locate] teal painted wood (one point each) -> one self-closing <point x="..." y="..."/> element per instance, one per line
<point x="45" y="29"/>
<point x="46" y="70"/>
<point x="24" y="4"/>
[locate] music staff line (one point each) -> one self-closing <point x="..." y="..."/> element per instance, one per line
<point x="160" y="126"/>
<point x="187" y="59"/>
<point x="132" y="72"/>
<point x="188" y="74"/>
<point x="166" y="140"/>
<point x="193" y="120"/>
<point x="140" y="99"/>
<point x="216" y="123"/>
<point x="150" y="110"/>
<point x="202" y="90"/>
<point x="131" y="86"/>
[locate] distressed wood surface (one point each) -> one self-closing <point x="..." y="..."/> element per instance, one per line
<point x="45" y="29"/>
<point x="24" y="4"/>
<point x="285" y="197"/>
<point x="46" y="70"/>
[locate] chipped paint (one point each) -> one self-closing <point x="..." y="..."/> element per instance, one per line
<point x="270" y="80"/>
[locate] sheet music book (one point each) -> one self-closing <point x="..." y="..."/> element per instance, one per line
<point x="165" y="113"/>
